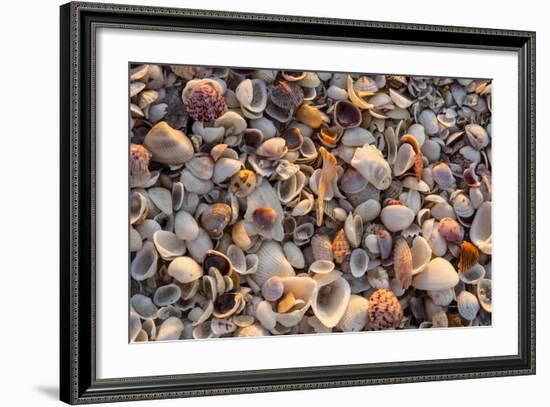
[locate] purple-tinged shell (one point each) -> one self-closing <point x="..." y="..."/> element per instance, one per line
<point x="450" y="230"/>
<point x="347" y="115"/>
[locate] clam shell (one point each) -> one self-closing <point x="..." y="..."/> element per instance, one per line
<point x="368" y="210"/>
<point x="321" y="266"/>
<point x="477" y="136"/>
<point x="396" y="217"/>
<point x="369" y="161"/>
<point x="404" y="159"/>
<point x="421" y="254"/>
<point x="354" y="229"/>
<point x="201" y="166"/>
<point x="144" y="306"/>
<point x="224" y="169"/>
<point x="473" y="274"/>
<point x="168" y="245"/>
<point x="135" y="240"/>
<point x="265" y="315"/>
<point x="232" y="122"/>
<point x="303" y="289"/>
<point x="443" y="176"/>
<point x="442" y="297"/>
<point x="185" y="226"/>
<point x="221" y="327"/>
<point x="429" y="121"/>
<point x="273" y="289"/>
<point x="484" y="294"/>
<point x="480" y="231"/>
<point x="252" y="95"/>
<point x="144" y="264"/>
<point x="170" y="329"/>
<point x="272" y="262"/>
<point x="237" y="258"/>
<point x="215" y="218"/>
<point x="199" y="246"/>
<point x="185" y="270"/>
<point x="331" y="301"/>
<point x="194" y="184"/>
<point x="468" y="306"/>
<point x="264" y="196"/>
<point x="168" y="145"/>
<point x="438" y="275"/>
<point x="148" y="228"/>
<point x="294" y="255"/>
<point x="162" y="198"/>
<point x="357" y="137"/>
<point x="359" y="262"/>
<point x="355" y="316"/>
<point x="138" y="208"/>
<point x="166" y="295"/>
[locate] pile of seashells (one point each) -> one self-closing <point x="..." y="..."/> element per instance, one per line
<point x="269" y="202"/>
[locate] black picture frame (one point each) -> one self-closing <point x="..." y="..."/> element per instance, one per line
<point x="78" y="381"/>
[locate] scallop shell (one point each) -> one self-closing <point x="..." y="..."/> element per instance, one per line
<point x="321" y="247"/>
<point x="272" y="262"/>
<point x="402" y="262"/>
<point x="331" y="301"/>
<point x="369" y="161"/>
<point x="438" y="275"/>
<point x="355" y="316"/>
<point x="480" y="231"/>
<point x="144" y="264"/>
<point x="467" y="304"/>
<point x="168" y="145"/>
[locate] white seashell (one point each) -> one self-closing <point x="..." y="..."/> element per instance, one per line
<point x="303" y="289"/>
<point x="168" y="245"/>
<point x="428" y="119"/>
<point x="443" y="210"/>
<point x="476" y="197"/>
<point x="294" y="255"/>
<point x="185" y="226"/>
<point x="264" y="196"/>
<point x="359" y="262"/>
<point x="321" y="267"/>
<point x="442" y="297"/>
<point x="135" y="240"/>
<point x="421" y="254"/>
<point x="185" y="269"/>
<point x="484" y="294"/>
<point x="353" y="227"/>
<point x="225" y="168"/>
<point x="471" y="154"/>
<point x="417" y="130"/>
<point x="170" y="329"/>
<point x="399" y="100"/>
<point x="404" y="159"/>
<point x="396" y="217"/>
<point x="272" y="262"/>
<point x="178" y="195"/>
<point x="430" y="232"/>
<point x="357" y="137"/>
<point x="431" y="150"/>
<point x="265" y="125"/>
<point x="208" y="134"/>
<point x="355" y="316"/>
<point x="438" y="275"/>
<point x="331" y="301"/>
<point x="201" y="166"/>
<point x="368" y="210"/>
<point x="378" y="278"/>
<point x="412" y="183"/>
<point x="412" y="200"/>
<point x="371" y="243"/>
<point x="144" y="264"/>
<point x="336" y="93"/>
<point x="144" y="306"/>
<point x="265" y="315"/>
<point x="369" y="161"/>
<point x="194" y="184"/>
<point x="221" y="327"/>
<point x="480" y="231"/>
<point x="232" y="122"/>
<point x="443" y="176"/>
<point x="166" y="295"/>
<point x="148" y="228"/>
<point x="252" y="95"/>
<point x="462" y="206"/>
<point x="162" y="198"/>
<point x="198" y="247"/>
<point x="473" y="274"/>
<point x="468" y="306"/>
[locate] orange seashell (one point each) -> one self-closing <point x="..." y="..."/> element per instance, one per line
<point x="264" y="218"/>
<point x="469" y="255"/>
<point x="329" y="135"/>
<point x="418" y="163"/>
<point x="327" y="177"/>
<point x="402" y="262"/>
<point x="340" y="247"/>
<point x="393" y="202"/>
<point x="309" y="115"/>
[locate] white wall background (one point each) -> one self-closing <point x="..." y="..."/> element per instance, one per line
<point x="29" y="160"/>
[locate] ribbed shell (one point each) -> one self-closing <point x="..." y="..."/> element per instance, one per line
<point x="272" y="262"/>
<point x="402" y="262"/>
<point x="321" y="247"/>
<point x="355" y="316"/>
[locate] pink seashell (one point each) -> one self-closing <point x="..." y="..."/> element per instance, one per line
<point x="450" y="230"/>
<point x="139" y="165"/>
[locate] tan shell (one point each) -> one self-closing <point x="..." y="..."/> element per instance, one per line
<point x="331" y="301"/>
<point x="438" y="275"/>
<point x="321" y="247"/>
<point x="185" y="269"/>
<point x="402" y="262"/>
<point x="356" y="315"/>
<point x="272" y="262"/>
<point x="168" y="145"/>
<point x="480" y="231"/>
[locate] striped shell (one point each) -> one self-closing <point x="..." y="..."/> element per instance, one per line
<point x="469" y="255"/>
<point x="321" y="247"/>
<point x="340" y="247"/>
<point x="402" y="262"/>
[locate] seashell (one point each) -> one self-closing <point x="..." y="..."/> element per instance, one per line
<point x="329" y="136"/>
<point x="428" y="119"/>
<point x="170" y="329"/>
<point x="450" y="230"/>
<point x="356" y="315"/>
<point x="421" y="253"/>
<point x="221" y="327"/>
<point x="265" y="315"/>
<point x="168" y="245"/>
<point x="143" y="306"/>
<point x="309" y="115"/>
<point x="354" y="97"/>
<point x="286" y="95"/>
<point x="377" y="276"/>
<point x="139" y="208"/>
<point x="252" y="95"/>
<point x="272" y="262"/>
<point x="273" y="288"/>
<point x="310" y="80"/>
<point x="201" y="166"/>
<point x="468" y="306"/>
<point x="480" y="231"/>
<point x="384" y="310"/>
<point x="396" y="217"/>
<point x="438" y="275"/>
<point x="430" y="232"/>
<point x="144" y="264"/>
<point x="252" y="330"/>
<point x="166" y="295"/>
<point x="287" y="302"/>
<point x="178" y="194"/>
<point x="368" y="210"/>
<point x="369" y="161"/>
<point x="304" y="206"/>
<point x="303" y="290"/>
<point x="162" y="198"/>
<point x="402" y="262"/>
<point x="215" y="218"/>
<point x="168" y="145"/>
<point x="443" y="176"/>
<point x="264" y="196"/>
<point x="321" y="247"/>
<point x="272" y="149"/>
<point x="469" y="255"/>
<point x="154" y="78"/>
<point x="185" y="226"/>
<point x="199" y="246"/>
<point x="352" y="181"/>
<point x="336" y="93"/>
<point x="225" y="168"/>
<point x="321" y="266"/>
<point x="442" y="297"/>
<point x="135" y="240"/>
<point x="384" y="243"/>
<point x="346" y="115"/>
<point x="232" y="122"/>
<point x="359" y="262"/>
<point x="404" y="160"/>
<point x="340" y="247"/>
<point x="417" y="157"/>
<point x="294" y="255"/>
<point x="357" y="137"/>
<point x="473" y="274"/>
<point x="412" y="200"/>
<point x="417" y="131"/>
<point x="477" y="136"/>
<point x="331" y="301"/>
<point x="240" y="236"/>
<point x="462" y="205"/>
<point x="243" y="183"/>
<point x="399" y="100"/>
<point x="439" y="320"/>
<point x="237" y="258"/>
<point x="227" y="304"/>
<point x="264" y="218"/>
<point x="354" y="229"/>
<point x="303" y="233"/>
<point x="147" y="228"/>
<point x="328" y="174"/>
<point x="139" y="165"/>
<point x="484" y="294"/>
<point x="185" y="270"/>
<point x="293" y="138"/>
<point x="431" y="150"/>
<point x="194" y="184"/>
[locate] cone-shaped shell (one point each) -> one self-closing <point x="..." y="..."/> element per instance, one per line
<point x="480" y="231"/>
<point x="331" y="301"/>
<point x="370" y="162"/>
<point x="168" y="145"/>
<point x="438" y="275"/>
<point x="272" y="262"/>
<point x="355" y="316"/>
<point x="144" y="264"/>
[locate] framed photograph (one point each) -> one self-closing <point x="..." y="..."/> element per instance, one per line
<point x="256" y="203"/>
